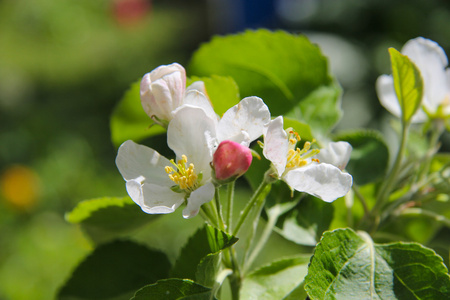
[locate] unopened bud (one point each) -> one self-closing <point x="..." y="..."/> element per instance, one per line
<point x="162" y="91"/>
<point x="231" y="160"/>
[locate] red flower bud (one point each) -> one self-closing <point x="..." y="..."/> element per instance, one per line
<point x="231" y="160"/>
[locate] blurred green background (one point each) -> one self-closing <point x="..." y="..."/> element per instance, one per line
<point x="65" y="64"/>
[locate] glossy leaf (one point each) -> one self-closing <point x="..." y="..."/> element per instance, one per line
<point x="129" y="120"/>
<point x="408" y="84"/>
<point x="115" y="271"/>
<point x="276" y="280"/>
<point x="106" y="218"/>
<point x="370" y="155"/>
<point x="347" y="265"/>
<point x="174" y="289"/>
<point x="279" y="67"/>
<point x="321" y="110"/>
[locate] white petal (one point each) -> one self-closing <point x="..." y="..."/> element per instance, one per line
<point x="336" y="154"/>
<point x="198" y="99"/>
<point x="386" y="94"/>
<point x="322" y="180"/>
<point x="197" y="86"/>
<point x="134" y="190"/>
<point x="276" y="144"/>
<point x="161" y="102"/>
<point x="154" y="199"/>
<point x="446" y="102"/>
<point x="431" y="60"/>
<point x="175" y="77"/>
<point x="162" y="90"/>
<point x="160" y="199"/>
<point x="137" y="161"/>
<point x="150" y="104"/>
<point x="177" y="86"/>
<point x="200" y="196"/>
<point x="193" y="133"/>
<point x="249" y="116"/>
<point x="164" y="70"/>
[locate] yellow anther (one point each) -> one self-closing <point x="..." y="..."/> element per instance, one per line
<point x="307" y="146"/>
<point x="184" y="177"/>
<point x="297" y="157"/>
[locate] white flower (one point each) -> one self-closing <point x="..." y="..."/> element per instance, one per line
<point x="432" y="63"/>
<point x="163" y="90"/>
<point x="160" y="186"/>
<point x="300" y="170"/>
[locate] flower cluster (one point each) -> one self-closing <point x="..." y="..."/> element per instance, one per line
<point x="211" y="150"/>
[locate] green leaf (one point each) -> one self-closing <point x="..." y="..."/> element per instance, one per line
<point x="174" y="289"/>
<point x="205" y="241"/>
<point x="408" y="84"/>
<point x="276" y="280"/>
<point x="303" y="129"/>
<point x="222" y="91"/>
<point x="321" y="109"/>
<point x="115" y="271"/>
<point x="297" y="293"/>
<point x="347" y="265"/>
<point x="439" y="161"/>
<point x="370" y="155"/>
<point x="129" y="120"/>
<point x="207" y="269"/>
<point x="305" y="224"/>
<point x="106" y="218"/>
<point x="279" y="67"/>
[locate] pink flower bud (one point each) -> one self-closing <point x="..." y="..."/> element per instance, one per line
<point x="231" y="160"/>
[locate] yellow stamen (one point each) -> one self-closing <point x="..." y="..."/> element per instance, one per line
<point x="297" y="157"/>
<point x="186" y="178"/>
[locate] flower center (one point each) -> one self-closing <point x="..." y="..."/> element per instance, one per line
<point x="186" y="178"/>
<point x="297" y="157"/>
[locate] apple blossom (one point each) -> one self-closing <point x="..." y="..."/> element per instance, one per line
<point x="298" y="167"/>
<point x="160" y="186"/>
<point x="432" y="62"/>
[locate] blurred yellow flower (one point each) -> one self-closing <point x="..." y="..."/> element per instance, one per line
<point x="19" y="186"/>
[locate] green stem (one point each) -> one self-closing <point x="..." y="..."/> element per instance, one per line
<point x="206" y="214"/>
<point x="388" y="184"/>
<point x="361" y="199"/>
<point x="230" y="194"/>
<point x="434" y="145"/>
<point x="415" y="211"/>
<point x="412" y="196"/>
<point x="235" y="285"/>
<point x="250" y="205"/>
<point x="273" y="218"/>
<point x="219" y="210"/>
